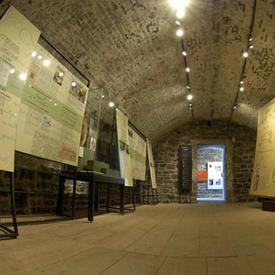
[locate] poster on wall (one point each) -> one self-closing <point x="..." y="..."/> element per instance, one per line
<point x="263" y="179"/>
<point x="138" y="154"/>
<point x="18" y="38"/>
<point x="52" y="110"/>
<point x="151" y="164"/>
<point x="123" y="148"/>
<point x="215" y="175"/>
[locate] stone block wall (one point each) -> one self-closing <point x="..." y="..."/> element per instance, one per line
<point x="240" y="144"/>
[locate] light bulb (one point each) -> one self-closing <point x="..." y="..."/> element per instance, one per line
<point x="184" y="53"/>
<point x="179" y="32"/>
<point x="189" y="97"/>
<point x="242" y="89"/>
<point x="245" y="54"/>
<point x="111" y="104"/>
<point x="73" y="83"/>
<point x="34" y="53"/>
<point x="46" y="62"/>
<point x="187" y="70"/>
<point x="180" y="14"/>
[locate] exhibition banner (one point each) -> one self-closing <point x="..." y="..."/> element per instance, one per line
<point x="138" y="154"/>
<point x="52" y="110"/>
<point x="263" y="179"/>
<point x="151" y="164"/>
<point x="123" y="148"/>
<point x="18" y="38"/>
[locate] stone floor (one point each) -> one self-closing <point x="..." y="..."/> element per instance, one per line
<point x="203" y="238"/>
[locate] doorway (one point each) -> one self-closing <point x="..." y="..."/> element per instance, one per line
<point x="211" y="180"/>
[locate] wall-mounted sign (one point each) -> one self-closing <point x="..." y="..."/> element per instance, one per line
<point x="263" y="180"/>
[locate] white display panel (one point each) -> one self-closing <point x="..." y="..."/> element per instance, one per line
<point x="263" y="179"/>
<point x="52" y="110"/>
<point x="215" y="175"/>
<point x="123" y="148"/>
<point x="138" y="154"/>
<point x="151" y="164"/>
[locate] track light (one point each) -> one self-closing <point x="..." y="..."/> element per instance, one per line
<point x="189" y="97"/>
<point x="179" y="32"/>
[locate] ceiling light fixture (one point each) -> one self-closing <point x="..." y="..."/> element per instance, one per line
<point x="179" y="4"/>
<point x="189" y="97"/>
<point x="179" y="32"/>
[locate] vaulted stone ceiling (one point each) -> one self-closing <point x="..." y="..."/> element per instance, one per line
<point x="130" y="49"/>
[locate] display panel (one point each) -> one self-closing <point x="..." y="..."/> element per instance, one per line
<point x="215" y="175"/>
<point x="138" y="154"/>
<point x="18" y="38"/>
<point x="151" y="164"/>
<point x="123" y="147"/>
<point x="263" y="180"/>
<point x="52" y="109"/>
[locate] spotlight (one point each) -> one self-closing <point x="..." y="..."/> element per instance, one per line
<point x="178" y="23"/>
<point x="179" y="32"/>
<point x="23" y="76"/>
<point x="46" y="62"/>
<point x="73" y="83"/>
<point x="250" y="39"/>
<point x="184" y="53"/>
<point x="251" y="47"/>
<point x="180" y="14"/>
<point x="241" y="82"/>
<point x="39" y="57"/>
<point x="60" y="73"/>
<point x="188" y="87"/>
<point x="102" y="96"/>
<point x="189" y="97"/>
<point x="111" y="104"/>
<point x="12" y="71"/>
<point x="235" y="106"/>
<point x="187" y="69"/>
<point x="245" y="54"/>
<point x="179" y="4"/>
<point x="242" y="89"/>
<point x="34" y="54"/>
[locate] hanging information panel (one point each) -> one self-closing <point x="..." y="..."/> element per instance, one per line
<point x="18" y="38"/>
<point x="123" y="148"/>
<point x="52" y="110"/>
<point x="263" y="180"/>
<point x="151" y="164"/>
<point x="138" y="154"/>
